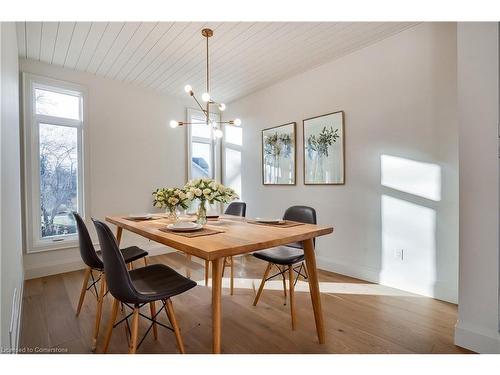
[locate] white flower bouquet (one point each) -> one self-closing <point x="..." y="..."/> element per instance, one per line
<point x="171" y="198"/>
<point x="208" y="190"/>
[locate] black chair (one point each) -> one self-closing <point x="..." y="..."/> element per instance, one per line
<point x="235" y="209"/>
<point x="138" y="287"/>
<point x="93" y="261"/>
<point x="286" y="258"/>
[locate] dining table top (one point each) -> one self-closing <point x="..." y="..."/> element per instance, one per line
<point x="237" y="235"/>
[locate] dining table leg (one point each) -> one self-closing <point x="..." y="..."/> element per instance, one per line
<point x="187" y="264"/>
<point x="216" y="304"/>
<point x="119" y="231"/>
<point x="310" y="259"/>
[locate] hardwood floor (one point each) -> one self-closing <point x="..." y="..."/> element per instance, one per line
<point x="359" y="317"/>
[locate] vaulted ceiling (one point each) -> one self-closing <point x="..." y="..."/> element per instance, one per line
<point x="165" y="56"/>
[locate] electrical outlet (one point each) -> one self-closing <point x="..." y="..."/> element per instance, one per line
<point x="399" y="254"/>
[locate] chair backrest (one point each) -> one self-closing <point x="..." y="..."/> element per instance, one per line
<point x="87" y="250"/>
<point x="302" y="214"/>
<point x="117" y="276"/>
<point x="237" y="209"/>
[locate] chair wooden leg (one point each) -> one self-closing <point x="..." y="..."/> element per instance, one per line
<point x="145" y="261"/>
<point x="112" y="320"/>
<point x="135" y="330"/>
<point x="86" y="277"/>
<point x="98" y="314"/>
<point x="304" y="268"/>
<point x="173" y="321"/>
<point x="125" y="325"/>
<point x="292" y="295"/>
<point x="152" y="308"/>
<point x="261" y="287"/>
<point x="224" y="264"/>
<point x="207" y="270"/>
<point x="231" y="264"/>
<point x="284" y="283"/>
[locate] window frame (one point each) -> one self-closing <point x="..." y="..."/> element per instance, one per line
<point x="215" y="143"/>
<point x="31" y="126"/>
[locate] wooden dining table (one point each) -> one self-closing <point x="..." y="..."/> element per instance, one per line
<point x="238" y="236"/>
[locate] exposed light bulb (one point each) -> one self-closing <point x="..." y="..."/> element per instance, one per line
<point x="174" y="124"/>
<point x="218" y="133"/>
<point x="188" y="89"/>
<point x="237" y="122"/>
<point x="205" y="97"/>
<point x="222" y="107"/>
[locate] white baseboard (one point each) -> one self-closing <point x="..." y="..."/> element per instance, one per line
<point x="69" y="265"/>
<point x="436" y="290"/>
<point x="52" y="268"/>
<point x="359" y="272"/>
<point x="477" y="339"/>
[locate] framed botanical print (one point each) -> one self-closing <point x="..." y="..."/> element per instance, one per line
<point x="279" y="154"/>
<point x="323" y="139"/>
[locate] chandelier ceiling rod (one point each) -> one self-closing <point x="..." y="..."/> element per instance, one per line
<point x="207" y="33"/>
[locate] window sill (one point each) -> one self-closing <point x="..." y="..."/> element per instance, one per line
<point x="52" y="246"/>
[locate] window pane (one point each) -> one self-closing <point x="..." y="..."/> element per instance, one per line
<point x="200" y="129"/>
<point x="233" y="170"/>
<point x="58" y="179"/>
<point x="201" y="160"/>
<point x="56" y="104"/>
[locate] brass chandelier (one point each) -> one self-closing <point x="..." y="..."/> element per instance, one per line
<point x="206" y="98"/>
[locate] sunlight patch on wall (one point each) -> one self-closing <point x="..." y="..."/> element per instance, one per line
<point x="410" y="176"/>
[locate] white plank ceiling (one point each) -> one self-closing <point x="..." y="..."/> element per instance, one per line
<point x="165" y="56"/>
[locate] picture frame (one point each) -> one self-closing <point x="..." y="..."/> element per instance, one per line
<point x="323" y="140"/>
<point x="279" y="155"/>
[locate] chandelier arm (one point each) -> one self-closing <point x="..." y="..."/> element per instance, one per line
<point x="199" y="105"/>
<point x="188" y="123"/>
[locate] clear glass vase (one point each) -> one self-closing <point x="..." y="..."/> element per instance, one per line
<point x="172" y="214"/>
<point x="202" y="213"/>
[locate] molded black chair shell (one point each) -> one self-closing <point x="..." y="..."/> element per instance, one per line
<point x="91" y="257"/>
<point x="142" y="285"/>
<point x="87" y="250"/>
<point x="237" y="209"/>
<point x="291" y="253"/>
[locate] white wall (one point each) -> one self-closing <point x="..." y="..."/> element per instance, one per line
<point x="10" y="186"/>
<point x="478" y="105"/>
<point x="399" y="98"/>
<point x="131" y="150"/>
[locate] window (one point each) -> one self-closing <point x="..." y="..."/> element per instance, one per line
<point x="54" y="124"/>
<point x="203" y="148"/>
<point x="232" y="150"/>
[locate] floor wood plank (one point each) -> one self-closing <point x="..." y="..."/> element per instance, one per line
<point x="359" y="317"/>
